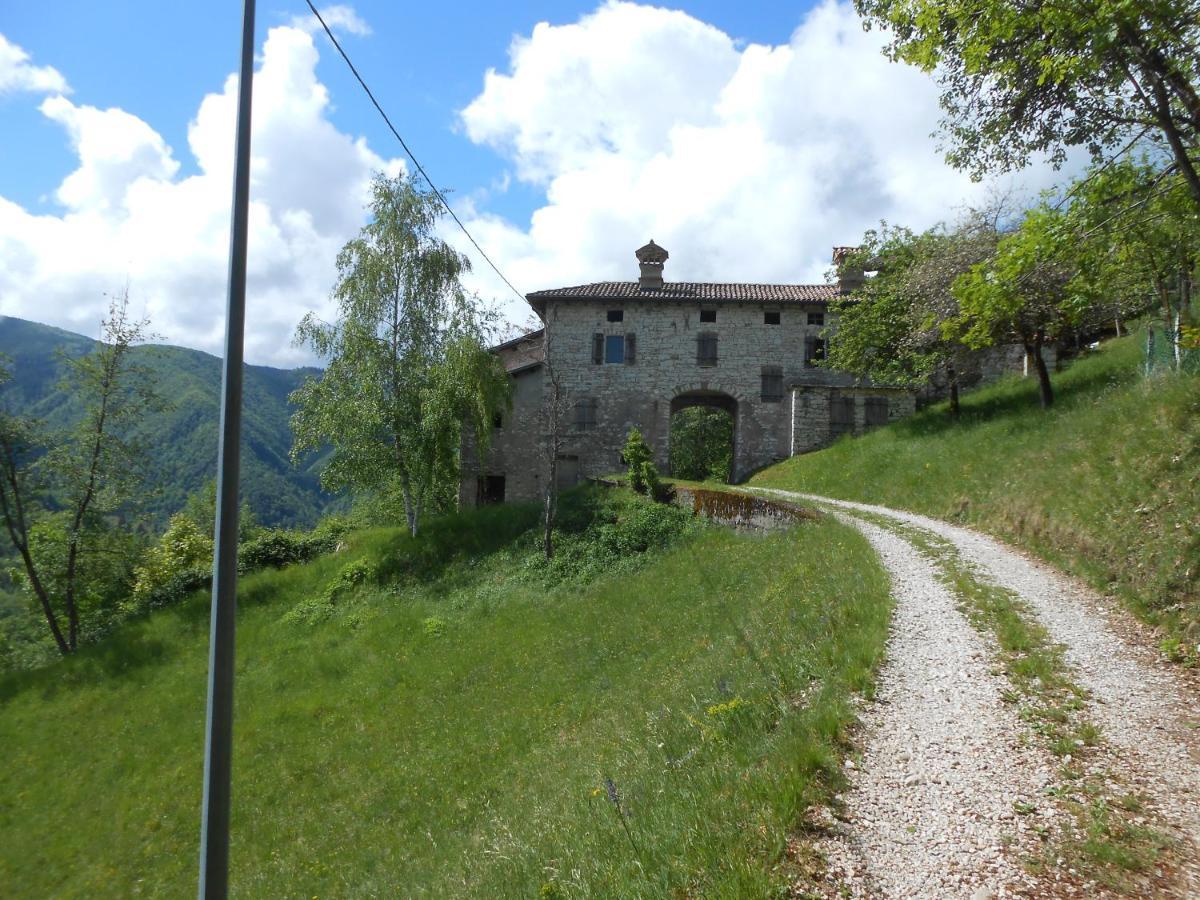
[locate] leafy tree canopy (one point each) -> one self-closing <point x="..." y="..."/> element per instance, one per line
<point x="1021" y="78"/>
<point x="406" y="357"/>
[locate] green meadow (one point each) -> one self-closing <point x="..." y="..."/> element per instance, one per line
<point x="449" y="716"/>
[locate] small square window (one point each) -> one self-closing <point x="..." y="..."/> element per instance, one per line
<point x="616" y="315"/>
<point x="708" y="315"/>
<point x="614" y="348"/>
<point x="771" y="318"/>
<point x="816" y="318"/>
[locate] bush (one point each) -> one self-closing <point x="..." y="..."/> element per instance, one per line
<point x="182" y="551"/>
<point x="643" y="476"/>
<point x="278" y="548"/>
<point x="621" y="530"/>
<point x="315" y="610"/>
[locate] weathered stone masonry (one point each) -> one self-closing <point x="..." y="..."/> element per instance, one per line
<point x="629" y="354"/>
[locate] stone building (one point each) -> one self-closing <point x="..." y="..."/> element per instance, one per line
<point x="629" y="354"/>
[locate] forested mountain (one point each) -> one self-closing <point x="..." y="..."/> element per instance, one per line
<point x="181" y="441"/>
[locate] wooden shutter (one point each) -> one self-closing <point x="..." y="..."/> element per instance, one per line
<point x="808" y="351"/>
<point x="630" y="349"/>
<point x="597" y="348"/>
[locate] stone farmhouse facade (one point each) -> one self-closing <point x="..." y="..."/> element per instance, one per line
<point x="628" y="354"/>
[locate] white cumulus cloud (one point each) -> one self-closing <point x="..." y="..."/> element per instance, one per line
<point x="338" y="17"/>
<point x="129" y="216"/>
<point x="747" y="162"/>
<point x="18" y="74"/>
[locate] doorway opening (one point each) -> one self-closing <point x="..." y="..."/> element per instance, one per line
<point x="702" y="437"/>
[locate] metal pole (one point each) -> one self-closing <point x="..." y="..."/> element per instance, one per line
<point x="218" y="745"/>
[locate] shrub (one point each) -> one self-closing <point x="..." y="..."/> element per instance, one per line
<point x="640" y="461"/>
<point x="167" y="567"/>
<point x="278" y="548"/>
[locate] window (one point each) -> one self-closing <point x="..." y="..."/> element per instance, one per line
<point x="706" y="349"/>
<point x="616" y="315"/>
<point x="490" y="489"/>
<point x="771" y="318"/>
<point x="841" y="416"/>
<point x="498" y="420"/>
<point x="876" y="409"/>
<point x="708" y="315"/>
<point x="597" y="348"/>
<point x="630" y="349"/>
<point x="566" y="472"/>
<point x="585" y="413"/>
<point x="814" y="351"/>
<point x="816" y="318"/>
<point x="772" y="384"/>
<point x="614" y="348"/>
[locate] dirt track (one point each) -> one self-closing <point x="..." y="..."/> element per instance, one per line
<point x="953" y="795"/>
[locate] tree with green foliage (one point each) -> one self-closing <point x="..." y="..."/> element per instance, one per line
<point x="1138" y="242"/>
<point x="406" y="363"/>
<point x="890" y="329"/>
<point x="1020" y="79"/>
<point x="60" y="495"/>
<point x="701" y="444"/>
<point x="1024" y="292"/>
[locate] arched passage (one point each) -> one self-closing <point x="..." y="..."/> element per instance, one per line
<point x="702" y="440"/>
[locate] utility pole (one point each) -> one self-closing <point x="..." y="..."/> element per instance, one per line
<point x="218" y="743"/>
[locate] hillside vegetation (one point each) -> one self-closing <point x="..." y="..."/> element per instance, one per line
<point x="182" y="441"/>
<point x="1106" y="484"/>
<point x="450" y="716"/>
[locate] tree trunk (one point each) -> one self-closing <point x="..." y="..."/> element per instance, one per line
<point x="410" y="510"/>
<point x="952" y="376"/>
<point x="1045" y="389"/>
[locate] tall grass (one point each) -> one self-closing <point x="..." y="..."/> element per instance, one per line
<point x="1106" y="484"/>
<point x="458" y="725"/>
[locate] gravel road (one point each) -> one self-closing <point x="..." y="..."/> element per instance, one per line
<point x="946" y="762"/>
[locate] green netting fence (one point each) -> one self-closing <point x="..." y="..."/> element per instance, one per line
<point x="1163" y="355"/>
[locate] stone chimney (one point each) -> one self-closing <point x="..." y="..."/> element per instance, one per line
<point x="650" y="259"/>
<point x="849" y="277"/>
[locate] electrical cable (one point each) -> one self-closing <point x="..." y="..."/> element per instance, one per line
<point x="411" y="156"/>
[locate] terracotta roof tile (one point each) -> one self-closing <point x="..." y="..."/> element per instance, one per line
<point x="690" y="290"/>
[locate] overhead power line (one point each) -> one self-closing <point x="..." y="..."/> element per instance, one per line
<point x="411" y="156"/>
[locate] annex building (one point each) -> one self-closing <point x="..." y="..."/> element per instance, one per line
<point x="629" y="354"/>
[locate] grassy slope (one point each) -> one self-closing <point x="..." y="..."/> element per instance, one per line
<point x="1105" y="485"/>
<point x="448" y="732"/>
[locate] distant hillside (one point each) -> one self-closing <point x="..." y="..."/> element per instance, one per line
<point x="183" y="440"/>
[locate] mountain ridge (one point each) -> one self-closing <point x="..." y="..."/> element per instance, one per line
<point x="182" y="440"/>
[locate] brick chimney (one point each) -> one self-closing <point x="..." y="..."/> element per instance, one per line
<point x="651" y="259"/>
<point x="849" y="277"/>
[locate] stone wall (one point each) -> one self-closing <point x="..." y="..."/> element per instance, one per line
<point x="664" y="375"/>
<point x="812" y="425"/>
<point x="516" y="447"/>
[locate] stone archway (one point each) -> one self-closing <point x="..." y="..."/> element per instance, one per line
<point x="712" y="398"/>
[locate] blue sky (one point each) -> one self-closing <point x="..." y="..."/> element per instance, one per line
<point x="747" y="138"/>
<point x="425" y="62"/>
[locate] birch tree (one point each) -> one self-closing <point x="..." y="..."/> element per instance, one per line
<point x="406" y="364"/>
